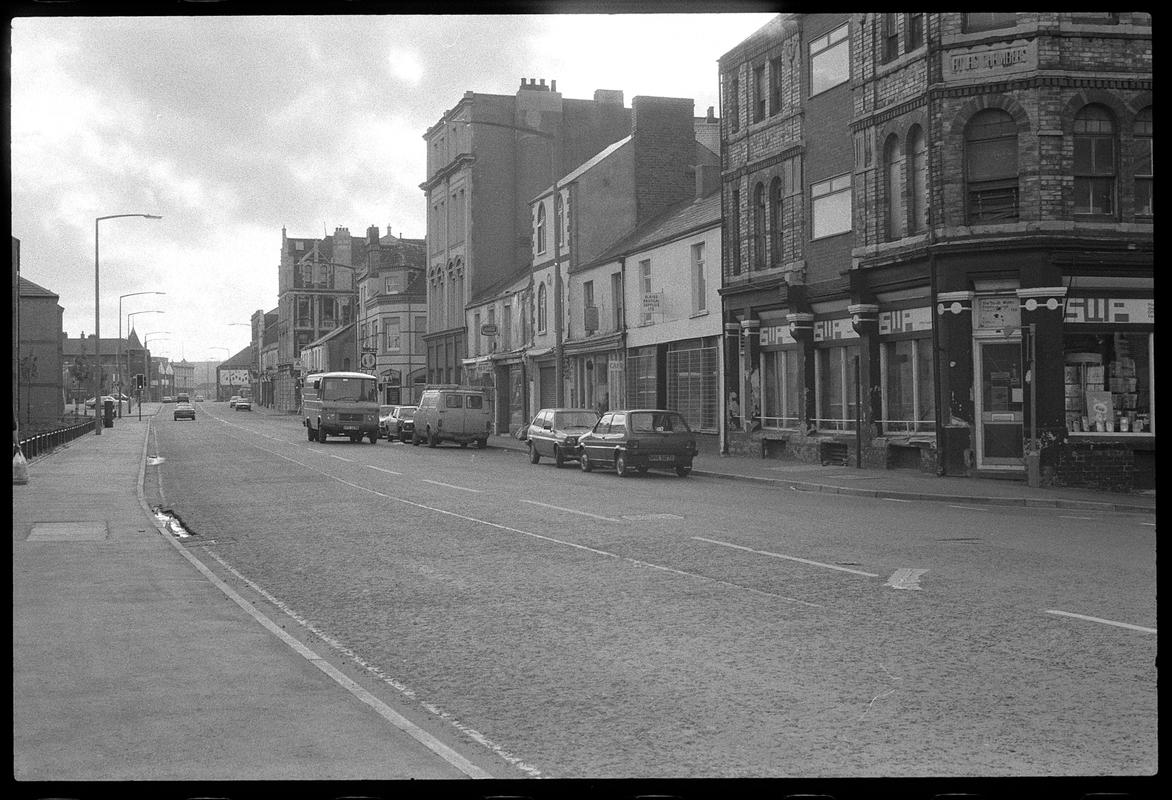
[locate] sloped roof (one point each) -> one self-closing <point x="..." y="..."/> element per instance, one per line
<point x="30" y="289"/>
<point x="676" y="221"/>
<point x="242" y="360"/>
<point x="338" y="331"/>
<point x="583" y="168"/>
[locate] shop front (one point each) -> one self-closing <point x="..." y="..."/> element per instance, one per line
<point x="595" y="372"/>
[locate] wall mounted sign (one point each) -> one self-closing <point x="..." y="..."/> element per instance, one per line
<point x="1087" y="310"/>
<point x="964" y="64"/>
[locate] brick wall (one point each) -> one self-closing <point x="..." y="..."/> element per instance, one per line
<point x="1109" y="466"/>
<point x="664" y="141"/>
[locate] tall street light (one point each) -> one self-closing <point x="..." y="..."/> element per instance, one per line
<point x="145" y="364"/>
<point x="559" y="378"/>
<point x="98" y="318"/>
<point x="128" y="316"/>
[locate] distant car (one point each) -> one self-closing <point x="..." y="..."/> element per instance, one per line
<point x="185" y="411"/>
<point x="199" y="398"/>
<point x="403" y="423"/>
<point x="105" y="399"/>
<point x="554" y="433"/>
<point x="235" y="399"/>
<point x="384" y="415"/>
<point x="243" y="404"/>
<point x="168" y="398"/>
<point x="638" y="439"/>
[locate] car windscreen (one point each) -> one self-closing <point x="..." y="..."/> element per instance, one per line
<point x="353" y="389"/>
<point x="658" y="422"/>
<point x="575" y="419"/>
<point x="407" y="413"/>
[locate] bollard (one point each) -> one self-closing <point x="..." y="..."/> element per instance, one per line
<point x="19" y="469"/>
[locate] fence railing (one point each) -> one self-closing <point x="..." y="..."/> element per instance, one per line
<point x="46" y="442"/>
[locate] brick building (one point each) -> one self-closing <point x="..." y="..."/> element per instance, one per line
<point x="38" y="380"/>
<point x="957" y="206"/>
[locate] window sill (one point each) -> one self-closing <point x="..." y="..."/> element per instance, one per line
<point x="696" y="314"/>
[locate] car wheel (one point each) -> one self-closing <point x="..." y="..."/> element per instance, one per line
<point x="309" y="433"/>
<point x="584" y="462"/>
<point x="373" y="437"/>
<point x="482" y="444"/>
<point x="683" y="472"/>
<point x="620" y="466"/>
<point x="354" y="438"/>
<point x="415" y="439"/>
<point x="403" y="438"/>
<point x="432" y="439"/>
<point x="558" y="459"/>
<point x="534" y="456"/>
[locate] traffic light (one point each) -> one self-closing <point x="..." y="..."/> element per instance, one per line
<point x="138" y="381"/>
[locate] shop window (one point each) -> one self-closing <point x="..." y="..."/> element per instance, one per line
<point x="918" y="196"/>
<point x="782" y="388"/>
<point x="1143" y="163"/>
<point x="831" y="206"/>
<point x="893" y="164"/>
<point x="991" y="167"/>
<point x="693" y="380"/>
<point x="836" y="388"/>
<point x="830" y="60"/>
<point x="541" y="308"/>
<point x="642" y="381"/>
<point x="1094" y="162"/>
<point x="909" y="397"/>
<point x="1108" y="379"/>
<point x="989" y="21"/>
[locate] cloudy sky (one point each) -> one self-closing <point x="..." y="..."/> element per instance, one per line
<point x="231" y="128"/>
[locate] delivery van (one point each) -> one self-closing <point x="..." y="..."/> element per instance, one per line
<point x="452" y="413"/>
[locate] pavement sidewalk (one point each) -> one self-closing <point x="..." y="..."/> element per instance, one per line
<point x="131" y="664"/>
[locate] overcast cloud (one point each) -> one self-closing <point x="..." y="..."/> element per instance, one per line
<point x="233" y="127"/>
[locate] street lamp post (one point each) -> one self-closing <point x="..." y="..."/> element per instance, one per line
<point x="128" y="316"/>
<point x="558" y="368"/>
<point x="98" y="317"/>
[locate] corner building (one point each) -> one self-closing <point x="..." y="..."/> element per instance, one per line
<point x="938" y="243"/>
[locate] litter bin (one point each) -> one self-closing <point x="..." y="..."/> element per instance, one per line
<point x="108" y="414"/>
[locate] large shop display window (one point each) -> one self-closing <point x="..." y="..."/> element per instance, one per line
<point x="1108" y="380"/>
<point x="837" y="388"/>
<point x="909" y="397"/>
<point x="782" y="388"/>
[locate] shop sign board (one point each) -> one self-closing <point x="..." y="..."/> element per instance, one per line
<point x="652" y="302"/>
<point x="905" y="320"/>
<point x="826" y="330"/>
<point x="233" y="377"/>
<point x="985" y="62"/>
<point x="1088" y="310"/>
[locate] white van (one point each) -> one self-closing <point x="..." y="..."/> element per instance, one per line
<point x="452" y="413"/>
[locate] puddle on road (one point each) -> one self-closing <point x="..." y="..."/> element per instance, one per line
<point x="171" y="522"/>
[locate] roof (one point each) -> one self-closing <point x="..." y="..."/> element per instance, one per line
<point x="338" y="331"/>
<point x="242" y="360"/>
<point x="581" y="169"/>
<point x="30" y="289"/>
<point x="676" y="221"/>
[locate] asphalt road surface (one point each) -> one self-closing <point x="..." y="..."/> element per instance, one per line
<point x="550" y="623"/>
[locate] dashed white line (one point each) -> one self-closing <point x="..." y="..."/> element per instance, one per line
<point x="787" y="558"/>
<point x="1064" y="516"/>
<point x="896" y="500"/>
<point x="571" y="511"/>
<point x="380" y="469"/>
<point x="969" y="508"/>
<point x="1102" y="621"/>
<point x="450" y="485"/>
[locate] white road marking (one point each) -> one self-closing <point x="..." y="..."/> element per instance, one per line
<point x="1063" y="516"/>
<point x="895" y="500"/>
<point x="788" y="558"/>
<point x="450" y="485"/>
<point x="905" y="578"/>
<point x="969" y="508"/>
<point x="1127" y="625"/>
<point x="1152" y="524"/>
<point x="380" y="469"/>
<point x="341" y="458"/>
<point x="571" y="511"/>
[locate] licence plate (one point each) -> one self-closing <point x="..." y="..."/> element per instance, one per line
<point x="662" y="459"/>
<point x="349" y="427"/>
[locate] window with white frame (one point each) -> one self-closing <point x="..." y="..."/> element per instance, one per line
<point x="699" y="283"/>
<point x="1094" y="161"/>
<point x="909" y="397"/>
<point x="991" y="173"/>
<point x="830" y="60"/>
<point x="830" y="203"/>
<point x="645" y="285"/>
<point x="1143" y="162"/>
<point x="616" y="293"/>
<point x="541" y="227"/>
<point x="393" y="283"/>
<point x="392" y="338"/>
<point x="541" y="308"/>
<point x="834" y="369"/>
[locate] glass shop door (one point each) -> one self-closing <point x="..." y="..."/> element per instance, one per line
<point x="1000" y="398"/>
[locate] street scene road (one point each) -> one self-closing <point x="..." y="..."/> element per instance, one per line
<point x="550" y="623"/>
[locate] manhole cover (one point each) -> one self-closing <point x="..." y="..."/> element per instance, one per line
<point x="68" y="532"/>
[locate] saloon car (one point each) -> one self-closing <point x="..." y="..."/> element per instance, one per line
<point x="554" y="432"/>
<point x="635" y="440"/>
<point x="243" y="404"/>
<point x="184" y="411"/>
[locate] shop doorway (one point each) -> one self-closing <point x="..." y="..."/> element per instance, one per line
<point x="1000" y="400"/>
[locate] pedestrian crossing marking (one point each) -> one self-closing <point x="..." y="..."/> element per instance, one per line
<point x="906" y="578"/>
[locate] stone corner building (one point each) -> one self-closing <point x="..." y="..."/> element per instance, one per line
<point x="938" y="242"/>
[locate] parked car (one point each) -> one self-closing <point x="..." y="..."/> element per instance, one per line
<point x="384" y="415"/>
<point x="638" y="439"/>
<point x="243" y="404"/>
<point x="554" y="433"/>
<point x="184" y="411"/>
<point x="235" y="399"/>
<point x="167" y="398"/>
<point x="105" y="399"/>
<point x="452" y="413"/>
<point x="403" y="420"/>
<point x="199" y="398"/>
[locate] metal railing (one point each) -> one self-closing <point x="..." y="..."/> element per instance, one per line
<point x="47" y="442"/>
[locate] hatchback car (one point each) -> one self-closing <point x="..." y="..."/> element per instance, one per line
<point x="185" y="411"/>
<point x="243" y="404"/>
<point x="554" y="433"/>
<point x="168" y="399"/>
<point x="235" y="399"/>
<point x="199" y="398"/>
<point x="638" y="439"/>
<point x="402" y="424"/>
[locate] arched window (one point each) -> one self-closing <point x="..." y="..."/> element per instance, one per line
<point x="776" y="239"/>
<point x="991" y="167"/>
<point x="918" y="196"/>
<point x="1143" y="163"/>
<point x="558" y="220"/>
<point x="893" y="172"/>
<point x="1094" y="161"/>
<point x="759" y="226"/>
<point x="541" y="313"/>
<point x="541" y="228"/>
